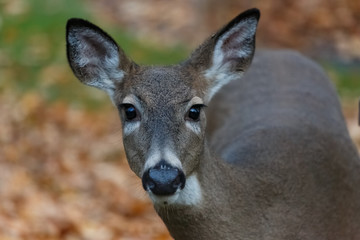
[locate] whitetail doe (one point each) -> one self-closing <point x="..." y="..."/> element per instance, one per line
<point x="270" y="159"/>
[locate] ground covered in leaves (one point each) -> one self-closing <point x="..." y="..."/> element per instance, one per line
<point x="63" y="175"/>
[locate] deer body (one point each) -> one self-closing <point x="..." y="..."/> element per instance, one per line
<point x="270" y="159"/>
<point x="289" y="175"/>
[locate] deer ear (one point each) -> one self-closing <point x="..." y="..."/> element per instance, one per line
<point x="228" y="53"/>
<point x="94" y="57"/>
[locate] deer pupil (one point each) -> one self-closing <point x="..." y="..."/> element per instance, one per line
<point x="130" y="112"/>
<point x="194" y="113"/>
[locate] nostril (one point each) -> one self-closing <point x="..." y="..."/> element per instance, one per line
<point x="151" y="185"/>
<point x="147" y="182"/>
<point x="179" y="181"/>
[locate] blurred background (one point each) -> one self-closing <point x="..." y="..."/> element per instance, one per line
<point x="63" y="173"/>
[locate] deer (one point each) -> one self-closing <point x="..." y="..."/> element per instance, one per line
<point x="229" y="143"/>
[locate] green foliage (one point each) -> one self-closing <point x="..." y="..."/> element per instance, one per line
<point x="32" y="51"/>
<point x="346" y="78"/>
<point x="144" y="53"/>
<point x="33" y="43"/>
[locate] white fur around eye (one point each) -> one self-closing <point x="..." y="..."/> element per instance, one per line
<point x="133" y="100"/>
<point x="194" y="127"/>
<point x="130" y="127"/>
<point x="195" y="100"/>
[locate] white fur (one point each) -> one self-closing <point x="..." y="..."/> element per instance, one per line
<point x="153" y="158"/>
<point x="106" y="73"/>
<point x="133" y="100"/>
<point x="163" y="200"/>
<point x="171" y="158"/>
<point x="194" y="127"/>
<point x="221" y="79"/>
<point x="191" y="195"/>
<point x="219" y="72"/>
<point x="157" y="153"/>
<point x="195" y="100"/>
<point x="130" y="127"/>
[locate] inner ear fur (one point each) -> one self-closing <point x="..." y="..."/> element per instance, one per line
<point x="228" y="53"/>
<point x="94" y="56"/>
<point x="198" y="60"/>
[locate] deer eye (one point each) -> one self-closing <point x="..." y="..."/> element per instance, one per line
<point x="194" y="113"/>
<point x="130" y="112"/>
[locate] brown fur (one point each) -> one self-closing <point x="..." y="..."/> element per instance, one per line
<point x="277" y="161"/>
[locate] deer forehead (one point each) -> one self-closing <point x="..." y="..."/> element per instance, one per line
<point x="161" y="86"/>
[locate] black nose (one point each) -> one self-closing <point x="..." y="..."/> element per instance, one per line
<point x="163" y="179"/>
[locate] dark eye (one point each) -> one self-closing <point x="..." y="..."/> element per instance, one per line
<point x="130" y="112"/>
<point x="194" y="112"/>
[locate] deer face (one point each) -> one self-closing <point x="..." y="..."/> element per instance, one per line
<point x="161" y="108"/>
<point x="163" y="126"/>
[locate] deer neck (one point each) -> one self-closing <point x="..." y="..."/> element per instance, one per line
<point x="212" y="210"/>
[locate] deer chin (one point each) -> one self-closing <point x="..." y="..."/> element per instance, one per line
<point x="164" y="201"/>
<point x="189" y="196"/>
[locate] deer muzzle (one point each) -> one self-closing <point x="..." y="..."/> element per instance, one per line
<point x="163" y="179"/>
